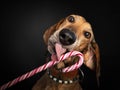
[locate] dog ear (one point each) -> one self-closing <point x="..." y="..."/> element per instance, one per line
<point x="51" y="30"/>
<point x="92" y="58"/>
<point x="97" y="58"/>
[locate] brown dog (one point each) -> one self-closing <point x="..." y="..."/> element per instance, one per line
<point x="70" y="33"/>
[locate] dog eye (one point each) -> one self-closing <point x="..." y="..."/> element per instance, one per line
<point x="71" y="19"/>
<point x="87" y="34"/>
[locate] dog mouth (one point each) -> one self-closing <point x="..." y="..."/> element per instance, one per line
<point x="57" y="49"/>
<point x="62" y="41"/>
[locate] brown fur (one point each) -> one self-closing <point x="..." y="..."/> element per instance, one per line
<point x="88" y="47"/>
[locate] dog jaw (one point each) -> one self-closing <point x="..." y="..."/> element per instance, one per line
<point x="55" y="39"/>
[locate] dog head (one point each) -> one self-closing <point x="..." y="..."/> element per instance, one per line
<point x="74" y="33"/>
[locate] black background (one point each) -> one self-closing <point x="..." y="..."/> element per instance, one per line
<point x="21" y="36"/>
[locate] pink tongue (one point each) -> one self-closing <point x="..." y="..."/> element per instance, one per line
<point x="59" y="50"/>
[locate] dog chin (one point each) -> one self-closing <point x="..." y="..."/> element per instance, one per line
<point x="54" y="47"/>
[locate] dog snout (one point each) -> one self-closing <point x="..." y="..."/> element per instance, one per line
<point x="67" y="37"/>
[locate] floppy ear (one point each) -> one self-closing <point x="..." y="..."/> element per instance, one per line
<point x="51" y="30"/>
<point x="92" y="58"/>
<point x="97" y="55"/>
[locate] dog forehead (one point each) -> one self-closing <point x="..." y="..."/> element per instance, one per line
<point x="77" y="17"/>
<point x="78" y="20"/>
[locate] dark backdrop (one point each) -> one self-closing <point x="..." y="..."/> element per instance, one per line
<point x="21" y="36"/>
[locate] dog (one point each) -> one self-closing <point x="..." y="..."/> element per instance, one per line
<point x="70" y="33"/>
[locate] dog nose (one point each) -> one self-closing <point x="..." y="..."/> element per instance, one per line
<point x="67" y="37"/>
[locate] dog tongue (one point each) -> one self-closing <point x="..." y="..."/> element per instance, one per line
<point x="59" y="50"/>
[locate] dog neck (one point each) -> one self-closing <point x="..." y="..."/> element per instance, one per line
<point x="58" y="75"/>
<point x="64" y="75"/>
<point x="64" y="78"/>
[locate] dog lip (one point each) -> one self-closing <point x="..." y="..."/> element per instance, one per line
<point x="52" y="46"/>
<point x="66" y="51"/>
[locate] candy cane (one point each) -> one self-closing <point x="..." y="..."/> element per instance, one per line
<point x="76" y="65"/>
<point x="45" y="66"/>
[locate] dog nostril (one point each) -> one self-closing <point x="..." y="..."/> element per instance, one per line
<point x="67" y="37"/>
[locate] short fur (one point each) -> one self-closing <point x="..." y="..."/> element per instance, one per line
<point x="87" y="46"/>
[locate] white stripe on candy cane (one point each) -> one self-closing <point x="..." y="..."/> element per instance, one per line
<point x="45" y="66"/>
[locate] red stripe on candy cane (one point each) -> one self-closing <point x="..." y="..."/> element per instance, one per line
<point x="45" y="66"/>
